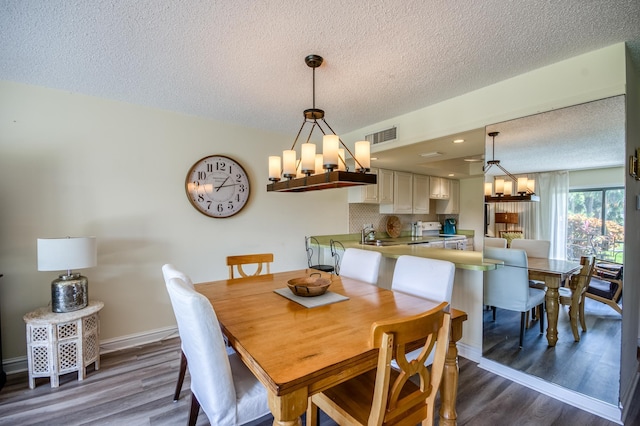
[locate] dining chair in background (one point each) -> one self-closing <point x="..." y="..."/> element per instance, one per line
<point x="337" y="251"/>
<point x="221" y="384"/>
<point x="361" y="265"/>
<point x="312" y="246"/>
<point x="169" y="271"/>
<point x="427" y="278"/>
<point x="236" y="263"/>
<point x="606" y="284"/>
<point x="508" y="287"/>
<point x="385" y="395"/>
<point x="534" y="248"/>
<point x="575" y="294"/>
<point x="495" y="242"/>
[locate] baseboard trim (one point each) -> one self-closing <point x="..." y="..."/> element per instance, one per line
<point x="627" y="396"/>
<point x="599" y="408"/>
<point x="471" y="353"/>
<point x="19" y="364"/>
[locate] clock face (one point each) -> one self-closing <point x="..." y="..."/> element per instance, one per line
<point x="217" y="186"/>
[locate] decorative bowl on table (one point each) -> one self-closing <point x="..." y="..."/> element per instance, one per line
<point x="309" y="286"/>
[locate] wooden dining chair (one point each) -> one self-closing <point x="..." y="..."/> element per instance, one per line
<point x="606" y="284"/>
<point x="236" y="263"/>
<point x="575" y="294"/>
<point x="384" y="395"/>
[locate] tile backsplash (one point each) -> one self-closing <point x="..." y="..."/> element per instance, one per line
<point x="360" y="214"/>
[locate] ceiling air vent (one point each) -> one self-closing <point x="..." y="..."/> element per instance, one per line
<point x="382" y="136"/>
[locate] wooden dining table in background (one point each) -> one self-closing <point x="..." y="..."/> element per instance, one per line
<point x="297" y="351"/>
<point x="554" y="273"/>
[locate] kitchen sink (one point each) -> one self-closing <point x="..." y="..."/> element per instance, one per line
<point x="381" y="243"/>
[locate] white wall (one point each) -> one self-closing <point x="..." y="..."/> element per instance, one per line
<point x="597" y="178"/>
<point x="76" y="165"/>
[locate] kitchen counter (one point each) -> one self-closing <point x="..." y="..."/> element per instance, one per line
<point x="463" y="259"/>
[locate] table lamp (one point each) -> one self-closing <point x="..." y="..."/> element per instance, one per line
<point x="69" y="291"/>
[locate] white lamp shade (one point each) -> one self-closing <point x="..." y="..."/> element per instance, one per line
<point x="522" y="184"/>
<point x="308" y="157"/>
<point x="289" y="162"/>
<point x="330" y="144"/>
<point x="319" y="168"/>
<point x="274" y="167"/>
<point x="342" y="165"/>
<point x="65" y="254"/>
<point x="508" y="187"/>
<point x="499" y="186"/>
<point x="488" y="189"/>
<point x="363" y="155"/>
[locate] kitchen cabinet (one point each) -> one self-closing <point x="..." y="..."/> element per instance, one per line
<point x="439" y="188"/>
<point x="402" y="195"/>
<point x="420" y="194"/>
<point x="365" y="193"/>
<point x="452" y="204"/>
<point x="385" y="186"/>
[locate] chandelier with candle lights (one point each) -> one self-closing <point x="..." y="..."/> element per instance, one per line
<point x="314" y="171"/>
<point x="504" y="187"/>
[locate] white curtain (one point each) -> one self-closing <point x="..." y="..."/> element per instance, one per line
<point x="551" y="220"/>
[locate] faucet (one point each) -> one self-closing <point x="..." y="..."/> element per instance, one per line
<point x="368" y="233"/>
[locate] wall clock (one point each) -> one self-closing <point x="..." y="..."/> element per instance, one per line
<point x="217" y="186"/>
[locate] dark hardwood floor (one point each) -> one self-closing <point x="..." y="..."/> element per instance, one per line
<point x="591" y="366"/>
<point x="135" y="387"/>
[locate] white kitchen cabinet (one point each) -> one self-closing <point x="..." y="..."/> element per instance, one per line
<point x="385" y="186"/>
<point x="451" y="205"/>
<point x="439" y="188"/>
<point x="365" y="193"/>
<point x="420" y="194"/>
<point x="402" y="195"/>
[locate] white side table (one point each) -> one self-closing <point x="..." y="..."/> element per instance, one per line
<point x="60" y="343"/>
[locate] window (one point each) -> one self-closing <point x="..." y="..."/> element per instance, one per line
<point x="596" y="223"/>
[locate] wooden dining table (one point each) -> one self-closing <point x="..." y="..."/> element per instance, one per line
<point x="297" y="351"/>
<point x="554" y="273"/>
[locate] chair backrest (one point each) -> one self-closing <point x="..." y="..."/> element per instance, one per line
<point x="260" y="260"/>
<point x="395" y="396"/>
<point x="534" y="248"/>
<point x="507" y="287"/>
<point x="203" y="345"/>
<point x="580" y="282"/>
<point x="361" y="265"/>
<point x="337" y="251"/>
<point x="495" y="242"/>
<point x="169" y="271"/>
<point x="428" y="278"/>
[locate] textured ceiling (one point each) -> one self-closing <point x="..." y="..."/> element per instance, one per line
<point x="242" y="61"/>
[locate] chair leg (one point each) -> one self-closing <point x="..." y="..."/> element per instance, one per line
<point x="193" y="412"/>
<point x="522" y="322"/>
<point x="581" y="310"/>
<point x="183" y="369"/>
<point x="541" y="317"/>
<point x="493" y="308"/>
<point x="313" y="413"/>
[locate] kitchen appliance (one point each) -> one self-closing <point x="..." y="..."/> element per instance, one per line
<point x="450" y="226"/>
<point x="431" y="233"/>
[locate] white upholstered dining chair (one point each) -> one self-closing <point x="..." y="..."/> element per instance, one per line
<point x="507" y="287"/>
<point x="534" y="248"/>
<point x="221" y="384"/>
<point x="361" y="265"/>
<point x="169" y="271"/>
<point x="427" y="278"/>
<point x="495" y="242"/>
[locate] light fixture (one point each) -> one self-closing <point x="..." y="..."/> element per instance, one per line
<point x="431" y="154"/>
<point x="504" y="188"/>
<point x="69" y="292"/>
<point x="319" y="171"/>
<point x="458" y="140"/>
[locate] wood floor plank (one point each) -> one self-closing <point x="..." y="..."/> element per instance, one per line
<point x="135" y="387"/>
